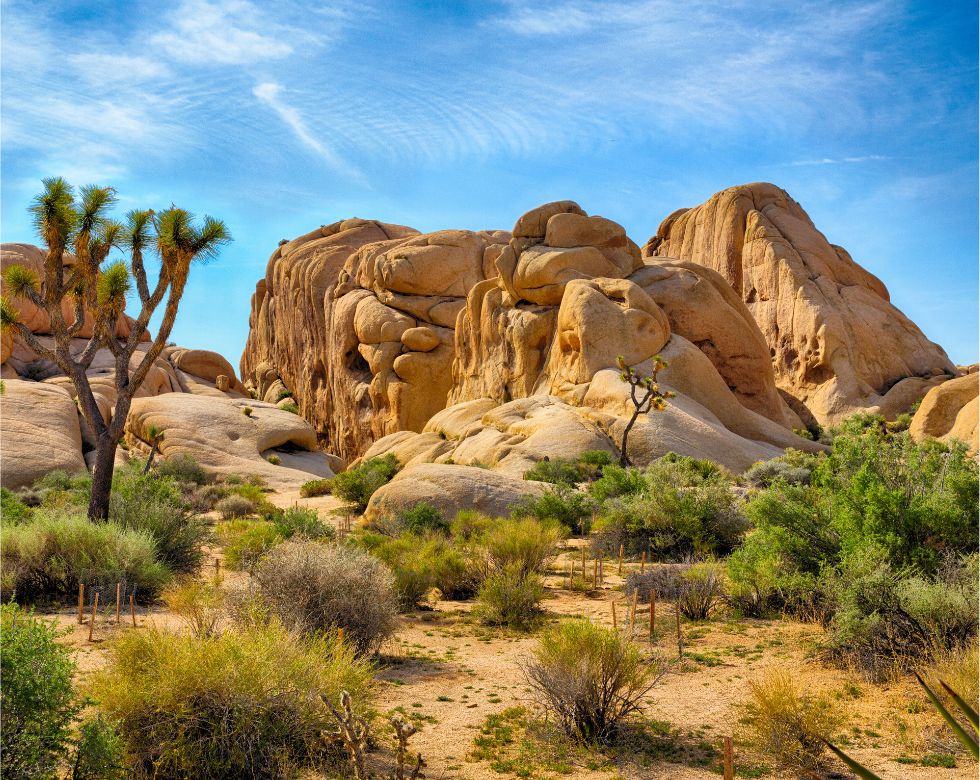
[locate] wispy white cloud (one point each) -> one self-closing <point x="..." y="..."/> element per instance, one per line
<point x="840" y="160"/>
<point x="104" y="67"/>
<point x="269" y="93"/>
<point x="226" y="32"/>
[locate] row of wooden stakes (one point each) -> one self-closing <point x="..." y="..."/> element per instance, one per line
<point x="95" y="607"/>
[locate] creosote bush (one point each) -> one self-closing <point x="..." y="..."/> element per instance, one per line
<point x="312" y="587"/>
<point x="766" y="472"/>
<point x="561" y="504"/>
<point x="246" y="541"/>
<point x="591" y="679"/>
<point x="99" y="754"/>
<point x="183" y="467"/>
<point x="421" y="518"/>
<point x="587" y="467"/>
<point x="234" y="506"/>
<point x="511" y="598"/>
<point x="245" y="703"/>
<point x="788" y="725"/>
<point x="524" y="542"/>
<point x="315" y="487"/>
<point x="300" y="521"/>
<point x="356" y="485"/>
<point x="200" y="604"/>
<point x="702" y="590"/>
<point x="46" y="557"/>
<point x="36" y="695"/>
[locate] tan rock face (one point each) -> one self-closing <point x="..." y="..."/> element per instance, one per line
<point x="449" y="489"/>
<point x="39" y="434"/>
<point x="949" y="411"/>
<point x="223" y="439"/>
<point x="837" y="344"/>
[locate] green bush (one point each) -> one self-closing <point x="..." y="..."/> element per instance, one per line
<point x="315" y="487"/>
<point x="591" y="679"/>
<point x="587" y="467"/>
<point x="300" y="521"/>
<point x="357" y="484"/>
<point x="469" y="524"/>
<point x="234" y="506"/>
<point x="245" y="703"/>
<point x="886" y="617"/>
<point x="154" y="505"/>
<point x="183" y="467"/>
<point x="312" y="587"/>
<point x="36" y="695"/>
<point x="562" y="504"/>
<point x="12" y="509"/>
<point x="422" y="518"/>
<point x="421" y="563"/>
<point x="46" y="557"/>
<point x="510" y="598"/>
<point x="765" y="473"/>
<point x="525" y="543"/>
<point x="247" y="541"/>
<point x="618" y="481"/>
<point x="290" y="407"/>
<point x="99" y="754"/>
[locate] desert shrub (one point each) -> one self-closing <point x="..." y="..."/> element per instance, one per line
<point x="618" y="481"/>
<point x="561" y="504"/>
<point x="312" y="587"/>
<point x="788" y="725"/>
<point x="685" y="471"/>
<point x="36" y="695"/>
<point x="672" y="522"/>
<point x="99" y="754"/>
<point x="274" y="459"/>
<point x="421" y="518"/>
<point x="46" y="557"/>
<point x="12" y="509"/>
<point x="765" y="473"/>
<point x="315" y="487"/>
<point x="886" y="616"/>
<point x="183" y="467"/>
<point x="666" y="580"/>
<point x="246" y="541"/>
<point x="470" y="524"/>
<point x="590" y="678"/>
<point x="357" y="484"/>
<point x="702" y="590"/>
<point x="204" y="497"/>
<point x="60" y="490"/>
<point x="146" y="503"/>
<point x="960" y="670"/>
<point x="200" y="604"/>
<point x="754" y="573"/>
<point x="510" y="598"/>
<point x="526" y="543"/>
<point x="299" y="521"/>
<point x="587" y="467"/>
<point x="291" y="407"/>
<point x="421" y="563"/>
<point x="245" y="703"/>
<point x="234" y="506"/>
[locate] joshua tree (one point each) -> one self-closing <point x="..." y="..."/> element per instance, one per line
<point x="652" y="397"/>
<point x="98" y="293"/>
<point x="156" y="436"/>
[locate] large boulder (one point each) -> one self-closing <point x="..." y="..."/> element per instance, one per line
<point x="837" y="343"/>
<point x="949" y="412"/>
<point x="231" y="436"/>
<point x="450" y="489"/>
<point x="40" y="432"/>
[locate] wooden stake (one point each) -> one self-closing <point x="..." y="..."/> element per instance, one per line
<point x="636" y="593"/>
<point x="601" y="574"/>
<point x="217" y="569"/>
<point x="583" y="563"/>
<point x="729" y="765"/>
<point x="95" y="606"/>
<point x="118" y="599"/>
<point x="643" y="561"/>
<point x="571" y="575"/>
<point x="132" y="607"/>
<point x="81" y="602"/>
<point x="680" y="636"/>
<point x="595" y="573"/>
<point x="653" y="614"/>
<point x="620" y="571"/>
<point x="615" y="622"/>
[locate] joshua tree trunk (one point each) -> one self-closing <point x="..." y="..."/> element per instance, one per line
<point x="105" y="458"/>
<point x="153" y="452"/>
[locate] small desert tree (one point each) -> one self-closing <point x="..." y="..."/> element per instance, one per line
<point x="645" y="394"/>
<point x="97" y="294"/>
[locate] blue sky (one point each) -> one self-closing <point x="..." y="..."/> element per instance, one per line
<point x="278" y="117"/>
